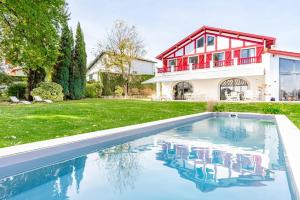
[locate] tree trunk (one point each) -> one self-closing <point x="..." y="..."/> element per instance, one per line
<point x="35" y="76"/>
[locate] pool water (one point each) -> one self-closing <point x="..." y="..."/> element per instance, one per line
<point x="215" y="158"/>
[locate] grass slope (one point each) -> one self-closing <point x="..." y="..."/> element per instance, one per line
<point x="28" y="123"/>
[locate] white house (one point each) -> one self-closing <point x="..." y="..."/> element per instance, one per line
<point x="218" y="64"/>
<point x="139" y="66"/>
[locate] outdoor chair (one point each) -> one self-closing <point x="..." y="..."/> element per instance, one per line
<point x="14" y="99"/>
<point x="39" y="99"/>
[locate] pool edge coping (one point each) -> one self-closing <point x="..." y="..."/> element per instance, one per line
<point x="290" y="137"/>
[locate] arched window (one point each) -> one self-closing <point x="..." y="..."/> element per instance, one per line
<point x="233" y="89"/>
<point x="182" y="90"/>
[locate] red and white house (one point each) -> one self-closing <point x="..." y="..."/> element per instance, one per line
<point x="218" y="64"/>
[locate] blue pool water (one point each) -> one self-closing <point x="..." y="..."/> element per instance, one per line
<point x="212" y="159"/>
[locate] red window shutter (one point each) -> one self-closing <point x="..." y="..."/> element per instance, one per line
<point x="179" y="61"/>
<point x="201" y="59"/>
<point x="228" y="59"/>
<point x="165" y="63"/>
<point x="259" y="52"/>
<point x="237" y="53"/>
<point x="208" y="57"/>
<point x="185" y="61"/>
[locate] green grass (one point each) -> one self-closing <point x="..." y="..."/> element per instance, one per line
<point x="29" y="123"/>
<point x="291" y="110"/>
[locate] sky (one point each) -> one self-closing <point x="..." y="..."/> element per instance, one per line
<point x="162" y="23"/>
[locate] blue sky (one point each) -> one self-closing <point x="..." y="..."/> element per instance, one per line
<point x="162" y="23"/>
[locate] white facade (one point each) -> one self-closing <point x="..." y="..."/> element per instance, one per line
<point x="139" y="66"/>
<point x="194" y="70"/>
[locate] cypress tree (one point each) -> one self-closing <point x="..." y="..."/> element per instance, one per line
<point x="79" y="66"/>
<point x="64" y="63"/>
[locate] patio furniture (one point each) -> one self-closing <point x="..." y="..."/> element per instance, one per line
<point x="14" y="99"/>
<point x="39" y="99"/>
<point x="233" y="96"/>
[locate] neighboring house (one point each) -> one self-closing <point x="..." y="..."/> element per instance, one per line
<point x="219" y="64"/>
<point x="139" y="66"/>
<point x="11" y="70"/>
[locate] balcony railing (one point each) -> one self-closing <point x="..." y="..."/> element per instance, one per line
<point x="216" y="64"/>
<point x="201" y="65"/>
<point x="222" y="63"/>
<point x="181" y="68"/>
<point x="164" y="69"/>
<point x="249" y="60"/>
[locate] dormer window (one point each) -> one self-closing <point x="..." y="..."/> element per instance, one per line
<point x="200" y="42"/>
<point x="210" y="40"/>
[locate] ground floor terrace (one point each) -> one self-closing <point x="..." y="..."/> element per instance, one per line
<point x="250" y="88"/>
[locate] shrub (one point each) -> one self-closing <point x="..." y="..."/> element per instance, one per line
<point x="134" y="91"/>
<point x="49" y="90"/>
<point x="147" y="91"/>
<point x="119" y="91"/>
<point x="17" y="89"/>
<point x="93" y="89"/>
<point x="218" y="108"/>
<point x="271" y="109"/>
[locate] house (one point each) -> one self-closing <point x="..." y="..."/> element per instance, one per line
<point x="218" y="64"/>
<point x="10" y="70"/>
<point x="139" y="66"/>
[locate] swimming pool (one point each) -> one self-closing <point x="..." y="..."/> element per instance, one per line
<point x="214" y="158"/>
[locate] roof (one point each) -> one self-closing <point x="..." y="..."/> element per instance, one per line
<point x="102" y="53"/>
<point x="269" y="40"/>
<point x="284" y="53"/>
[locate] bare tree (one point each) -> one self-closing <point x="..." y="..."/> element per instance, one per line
<point x="121" y="46"/>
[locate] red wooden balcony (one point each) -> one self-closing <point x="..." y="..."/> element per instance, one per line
<point x="164" y="69"/>
<point x="249" y="60"/>
<point x="181" y="68"/>
<point x="201" y="65"/>
<point x="222" y="63"/>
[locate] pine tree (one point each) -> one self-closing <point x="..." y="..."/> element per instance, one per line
<point x="64" y="63"/>
<point x="79" y="66"/>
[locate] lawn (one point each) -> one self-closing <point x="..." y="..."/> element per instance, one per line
<point x="28" y="123"/>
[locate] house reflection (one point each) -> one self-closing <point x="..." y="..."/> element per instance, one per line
<point x="211" y="168"/>
<point x="59" y="175"/>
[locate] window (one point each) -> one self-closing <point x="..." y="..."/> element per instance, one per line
<point x="193" y="60"/>
<point x="200" y="42"/>
<point x="289" y="79"/>
<point x="172" y="62"/>
<point x="91" y="77"/>
<point x="182" y="90"/>
<point x="247" y="53"/>
<point x="189" y="49"/>
<point x="233" y="88"/>
<point x="179" y="52"/>
<point x="219" y="56"/>
<point x="210" y="40"/>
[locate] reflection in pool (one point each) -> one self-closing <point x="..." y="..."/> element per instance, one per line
<point x="217" y="158"/>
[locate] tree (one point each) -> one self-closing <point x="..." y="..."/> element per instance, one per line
<point x="29" y="35"/>
<point x="122" y="46"/>
<point x="61" y="73"/>
<point x="78" y="71"/>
